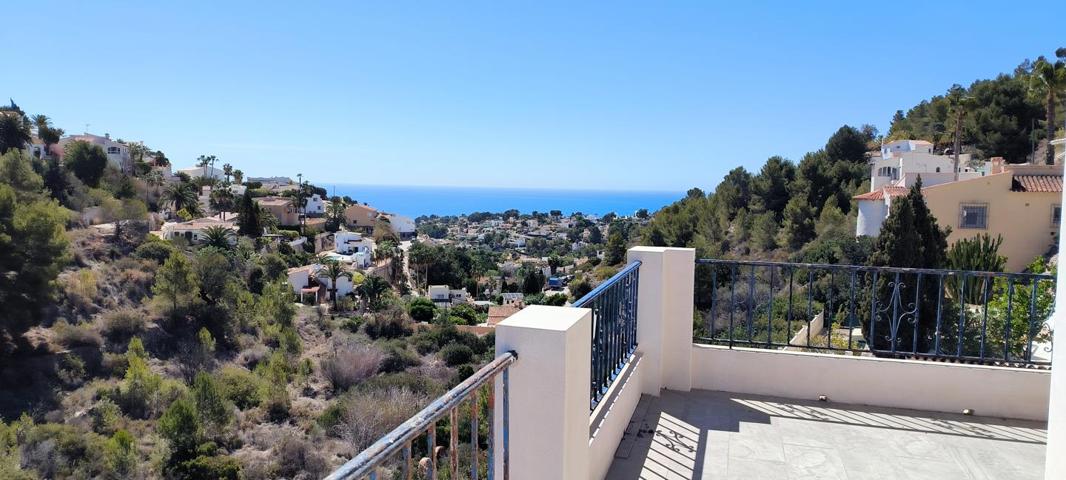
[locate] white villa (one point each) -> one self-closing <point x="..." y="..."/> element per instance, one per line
<point x="311" y="280"/>
<point x="193" y="230"/>
<point x="403" y="227"/>
<point x="118" y="154"/>
<point x="315" y="206"/>
<point x="444" y="296"/>
<point x="208" y="172"/>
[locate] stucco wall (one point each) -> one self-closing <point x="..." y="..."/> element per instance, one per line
<point x="920" y="385"/>
<point x="611" y="418"/>
<point x="1022" y="218"/>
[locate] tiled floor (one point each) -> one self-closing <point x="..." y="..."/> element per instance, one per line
<point x="704" y="434"/>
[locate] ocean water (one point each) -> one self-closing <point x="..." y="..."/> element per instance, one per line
<point x="415" y="201"/>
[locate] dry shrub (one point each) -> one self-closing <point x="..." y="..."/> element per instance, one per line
<point x="71" y="336"/>
<point x="123" y="323"/>
<point x="296" y="456"/>
<point x="81" y="289"/>
<point x="351" y="364"/>
<point x="362" y="417"/>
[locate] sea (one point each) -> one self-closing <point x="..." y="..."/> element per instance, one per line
<point x="416" y="201"/>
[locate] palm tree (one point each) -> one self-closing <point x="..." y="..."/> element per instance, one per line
<point x="335" y="212"/>
<point x="219" y="237"/>
<point x="222" y="200"/>
<point x="333" y="270"/>
<point x="182" y="195"/>
<point x="227" y="169"/>
<point x="372" y="290"/>
<point x="206" y="161"/>
<point x="267" y="220"/>
<point x="959" y="104"/>
<point x="13" y="131"/>
<point x="152" y="179"/>
<point x="238" y="175"/>
<point x="1050" y="81"/>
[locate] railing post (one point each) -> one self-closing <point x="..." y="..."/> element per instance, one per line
<point x="548" y="432"/>
<point x="664" y="316"/>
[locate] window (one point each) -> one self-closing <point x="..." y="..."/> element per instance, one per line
<point x="937" y="169"/>
<point x="1056" y="214"/>
<point x="888" y="172"/>
<point x="973" y="216"/>
<point x="112" y="150"/>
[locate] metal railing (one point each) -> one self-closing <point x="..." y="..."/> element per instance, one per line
<point x="966" y="316"/>
<point x="614" y="327"/>
<point x="378" y="460"/>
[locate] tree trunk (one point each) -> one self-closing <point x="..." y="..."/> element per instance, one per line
<point x="1050" y="157"/>
<point x="958" y="142"/>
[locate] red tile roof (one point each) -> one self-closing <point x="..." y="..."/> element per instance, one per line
<point x="1037" y="183"/>
<point x="880" y="194"/>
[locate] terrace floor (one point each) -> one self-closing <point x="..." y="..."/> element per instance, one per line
<point x="704" y="434"/>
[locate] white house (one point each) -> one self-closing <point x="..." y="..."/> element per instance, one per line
<point x="348" y="243"/>
<point x="311" y="280"/>
<point x="443" y="296"/>
<point x="403" y="227"/>
<point x="315" y="205"/>
<point x="193" y="230"/>
<point x="902" y="161"/>
<point x="208" y="172"/>
<point x="118" y="154"/>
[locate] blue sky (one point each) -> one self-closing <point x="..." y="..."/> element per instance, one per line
<point x="613" y="95"/>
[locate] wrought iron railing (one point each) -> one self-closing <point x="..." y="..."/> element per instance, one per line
<point x="614" y="327"/>
<point x="976" y="317"/>
<point x="379" y="460"/>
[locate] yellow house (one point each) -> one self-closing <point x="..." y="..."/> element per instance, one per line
<point x="361" y="217"/>
<point x="282" y="208"/>
<point x="1019" y="202"/>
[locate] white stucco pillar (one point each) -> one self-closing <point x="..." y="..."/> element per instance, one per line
<point x="664" y="316"/>
<point x="549" y="396"/>
<point x="1055" y="463"/>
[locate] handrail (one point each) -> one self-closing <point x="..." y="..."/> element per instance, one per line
<point x="614" y="327"/>
<point x="588" y="297"/>
<point x="995" y="318"/>
<point x="373" y="456"/>
<point x="825" y="266"/>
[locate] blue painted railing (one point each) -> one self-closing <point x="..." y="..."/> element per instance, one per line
<point x="380" y="459"/>
<point x="614" y="327"/>
<point x="989" y="318"/>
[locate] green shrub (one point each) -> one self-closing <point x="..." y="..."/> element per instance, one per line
<point x="240" y="386"/>
<point x="404" y="380"/>
<point x="155" y="249"/>
<point x="220" y="467"/>
<point x="456" y="354"/>
<point x="71" y="369"/>
<point x="352" y="324"/>
<point x="422" y="309"/>
<point x="105" y="416"/>
<point x="398" y="358"/>
<point x="466" y="313"/>
<point x="276" y="403"/>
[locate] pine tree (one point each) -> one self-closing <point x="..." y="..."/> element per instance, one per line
<point x="176" y="281"/>
<point x="248" y="222"/>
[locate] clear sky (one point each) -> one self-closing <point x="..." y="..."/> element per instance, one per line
<point x="617" y="95"/>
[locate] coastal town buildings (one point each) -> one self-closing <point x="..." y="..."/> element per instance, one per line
<point x="118" y="154"/>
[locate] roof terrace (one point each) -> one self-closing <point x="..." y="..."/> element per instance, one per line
<point x="686" y="368"/>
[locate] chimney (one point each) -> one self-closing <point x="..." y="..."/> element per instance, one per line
<point x="107" y="136"/>
<point x="997" y="165"/>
